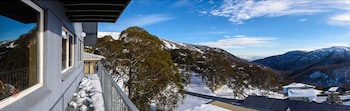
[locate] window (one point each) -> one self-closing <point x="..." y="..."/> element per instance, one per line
<point x="64" y="49"/>
<point x="18" y="47"/>
<point x="81" y="49"/>
<point x="68" y="41"/>
<point x="71" y="50"/>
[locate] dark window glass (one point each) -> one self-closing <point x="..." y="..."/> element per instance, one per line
<point x="18" y="47"/>
<point x="64" y="49"/>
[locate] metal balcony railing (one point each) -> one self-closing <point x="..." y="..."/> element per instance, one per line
<point x="114" y="98"/>
<point x="14" y="81"/>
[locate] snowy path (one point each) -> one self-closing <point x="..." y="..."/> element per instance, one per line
<point x="198" y="86"/>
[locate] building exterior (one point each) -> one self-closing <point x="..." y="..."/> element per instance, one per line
<point x="42" y="67"/>
<point x="90" y="62"/>
<point x="269" y="104"/>
<point x="300" y="92"/>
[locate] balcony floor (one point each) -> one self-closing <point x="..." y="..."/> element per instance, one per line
<point x="88" y="95"/>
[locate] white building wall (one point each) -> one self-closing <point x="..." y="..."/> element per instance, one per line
<point x="57" y="88"/>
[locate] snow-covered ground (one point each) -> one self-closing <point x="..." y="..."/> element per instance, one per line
<point x="190" y="102"/>
<point x="89" y="96"/>
<point x="207" y="107"/>
<point x="321" y="99"/>
<point x="198" y="86"/>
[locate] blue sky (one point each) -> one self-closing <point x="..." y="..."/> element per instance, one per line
<point x="244" y="28"/>
<point x="249" y="28"/>
<point x="11" y="29"/>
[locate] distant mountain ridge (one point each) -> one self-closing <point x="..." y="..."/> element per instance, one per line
<point x="324" y="67"/>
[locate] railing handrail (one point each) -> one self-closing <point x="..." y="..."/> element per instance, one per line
<point x="15" y="70"/>
<point x="124" y="97"/>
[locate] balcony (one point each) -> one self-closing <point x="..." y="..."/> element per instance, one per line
<point x="114" y="98"/>
<point x="104" y="87"/>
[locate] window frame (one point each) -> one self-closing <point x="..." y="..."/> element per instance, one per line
<point x="80" y="50"/>
<point x="70" y="48"/>
<point x="40" y="58"/>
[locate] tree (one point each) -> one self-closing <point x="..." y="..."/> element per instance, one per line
<point x="146" y="68"/>
<point x="334" y="98"/>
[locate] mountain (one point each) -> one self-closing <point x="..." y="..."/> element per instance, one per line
<point x="216" y="66"/>
<point x="220" y="68"/>
<point x="324" y="67"/>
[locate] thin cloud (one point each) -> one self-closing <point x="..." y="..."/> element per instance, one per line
<point x="147" y="20"/>
<point x="180" y="3"/>
<point x="217" y="32"/>
<point x="211" y="2"/>
<point x="239" y="11"/>
<point x="202" y="12"/>
<point x="316" y="46"/>
<point x="302" y="20"/>
<point x="239" y="42"/>
<point x="139" y="20"/>
<point x="340" y="19"/>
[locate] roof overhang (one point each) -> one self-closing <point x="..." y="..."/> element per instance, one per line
<point x="91" y="12"/>
<point x="94" y="11"/>
<point x="90" y="29"/>
<point x="17" y="10"/>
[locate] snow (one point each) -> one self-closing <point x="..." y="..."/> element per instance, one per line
<point x="89" y="94"/>
<point x="309" y="93"/>
<point x="207" y="107"/>
<point x="169" y="45"/>
<point x="177" y="45"/>
<point x="224" y="91"/>
<point x="321" y="99"/>
<point x="333" y="89"/>
<point x="190" y="102"/>
<point x="198" y="86"/>
<point x="12" y="45"/>
<point x="298" y="85"/>
<point x="115" y="35"/>
<point x="227" y="92"/>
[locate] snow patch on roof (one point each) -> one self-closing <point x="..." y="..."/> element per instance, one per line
<point x="207" y="107"/>
<point x="309" y="93"/>
<point x="298" y="85"/>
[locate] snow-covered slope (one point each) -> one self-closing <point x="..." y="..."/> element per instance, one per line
<point x="294" y="60"/>
<point x="323" y="67"/>
<point x="177" y="45"/>
<point x="215" y="67"/>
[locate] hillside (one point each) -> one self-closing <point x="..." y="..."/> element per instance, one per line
<point x="216" y="66"/>
<point x="323" y="67"/>
<point x="219" y="68"/>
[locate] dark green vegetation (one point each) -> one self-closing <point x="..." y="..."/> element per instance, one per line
<point x="150" y="70"/>
<point x="146" y="68"/>
<point x="219" y="68"/>
<point x="18" y="64"/>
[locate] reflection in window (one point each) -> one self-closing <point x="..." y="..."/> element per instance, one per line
<point x="64" y="49"/>
<point x="18" y="48"/>
<point x="68" y="42"/>
<point x="71" y="50"/>
<point x="80" y="50"/>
